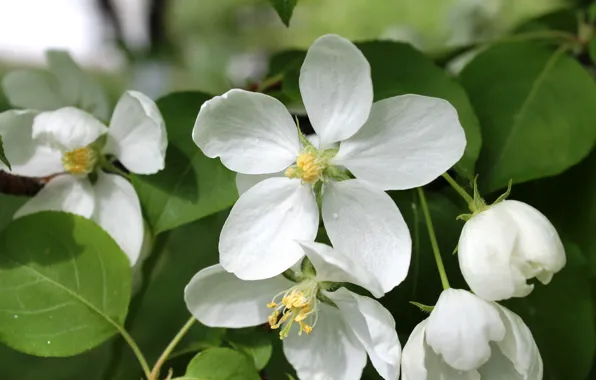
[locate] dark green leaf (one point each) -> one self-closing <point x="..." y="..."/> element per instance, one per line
<point x="399" y="69"/>
<point x="592" y="50"/>
<point x="191" y="186"/>
<point x="561" y="318"/>
<point x="254" y="342"/>
<point x="65" y="284"/>
<point x="221" y="364"/>
<point x="3" y="155"/>
<point x="160" y="311"/>
<point x="9" y="204"/>
<point x="284" y="9"/>
<point x="564" y="20"/>
<point x="536" y="109"/>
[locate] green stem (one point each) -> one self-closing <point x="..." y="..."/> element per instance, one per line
<point x="460" y="190"/>
<point x="264" y="85"/>
<point x="136" y="350"/>
<point x="164" y="356"/>
<point x="433" y="239"/>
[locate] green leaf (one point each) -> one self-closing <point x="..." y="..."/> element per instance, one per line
<point x="9" y="204"/>
<point x="284" y="9"/>
<point x="192" y="185"/>
<point x="561" y="318"/>
<point x="536" y="109"/>
<point x="592" y="50"/>
<point x="399" y="69"/>
<point x="561" y="20"/>
<point x="254" y="342"/>
<point x="65" y="285"/>
<point x="221" y="364"/>
<point x="3" y="155"/>
<point x="178" y="256"/>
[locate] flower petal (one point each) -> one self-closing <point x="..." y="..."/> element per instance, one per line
<point x="27" y="156"/>
<point x="137" y="134"/>
<point x="67" y="128"/>
<point x="485" y="250"/>
<point x="500" y="367"/>
<point x="537" y="239"/>
<point x="519" y="346"/>
<point x="252" y="133"/>
<point x="336" y="88"/>
<point x="413" y="357"/>
<point x="62" y="193"/>
<point x="364" y="224"/>
<point x="374" y="327"/>
<point x="331" y="351"/>
<point x="461" y="327"/>
<point x="220" y="299"/>
<point x="246" y="181"/>
<point x="33" y="89"/>
<point x="332" y="266"/>
<point x="258" y="239"/>
<point x="118" y="211"/>
<point x="407" y="142"/>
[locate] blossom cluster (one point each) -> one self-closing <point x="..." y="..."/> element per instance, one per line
<point x="271" y="270"/>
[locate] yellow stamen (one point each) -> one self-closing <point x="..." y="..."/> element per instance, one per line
<point x="79" y="161"/>
<point x="309" y="167"/>
<point x="298" y="305"/>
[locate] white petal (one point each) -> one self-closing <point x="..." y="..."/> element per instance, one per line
<point x="67" y="128"/>
<point x="336" y="88"/>
<point x="485" y="253"/>
<point x="460" y="328"/>
<point x="76" y="87"/>
<point x="27" y="157"/>
<point x="259" y="237"/>
<point x="246" y="181"/>
<point x="252" y="133"/>
<point x="364" y="224"/>
<point x="219" y="299"/>
<point x="500" y="367"/>
<point x="118" y="211"/>
<point x="413" y="357"/>
<point x="374" y="327"/>
<point x="331" y="351"/>
<point x="538" y="242"/>
<point x="62" y="193"/>
<point x="137" y="134"/>
<point x="332" y="266"/>
<point x="407" y="142"/>
<point x="33" y="89"/>
<point x="519" y="345"/>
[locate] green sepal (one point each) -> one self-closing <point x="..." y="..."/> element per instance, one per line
<point x="422" y="307"/>
<point x="308" y="270"/>
<point x="505" y="194"/>
<point x="455" y="249"/>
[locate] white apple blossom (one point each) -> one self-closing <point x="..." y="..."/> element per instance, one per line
<point x="73" y="148"/>
<point x="333" y="329"/>
<point x="396" y="143"/>
<point x="503" y="246"/>
<point x="468" y="338"/>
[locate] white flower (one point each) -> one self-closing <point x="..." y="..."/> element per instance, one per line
<point x="396" y="143"/>
<point x="505" y="245"/>
<point x="326" y="334"/>
<point x="73" y="147"/>
<point x="469" y="338"/>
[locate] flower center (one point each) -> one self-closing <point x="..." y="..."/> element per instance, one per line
<point x="79" y="161"/>
<point x="297" y="305"/>
<point x="309" y="167"/>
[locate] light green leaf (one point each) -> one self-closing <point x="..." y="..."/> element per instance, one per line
<point x="561" y="318"/>
<point x="398" y="69"/>
<point x="65" y="285"/>
<point x="254" y="342"/>
<point x="3" y="155"/>
<point x="221" y="364"/>
<point x="285" y="9"/>
<point x="536" y="109"/>
<point x="192" y="185"/>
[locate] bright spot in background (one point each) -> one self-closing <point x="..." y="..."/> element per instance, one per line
<point x="29" y="27"/>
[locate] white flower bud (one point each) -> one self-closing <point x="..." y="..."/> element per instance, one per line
<point x="504" y="246"/>
<point x="466" y="337"/>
